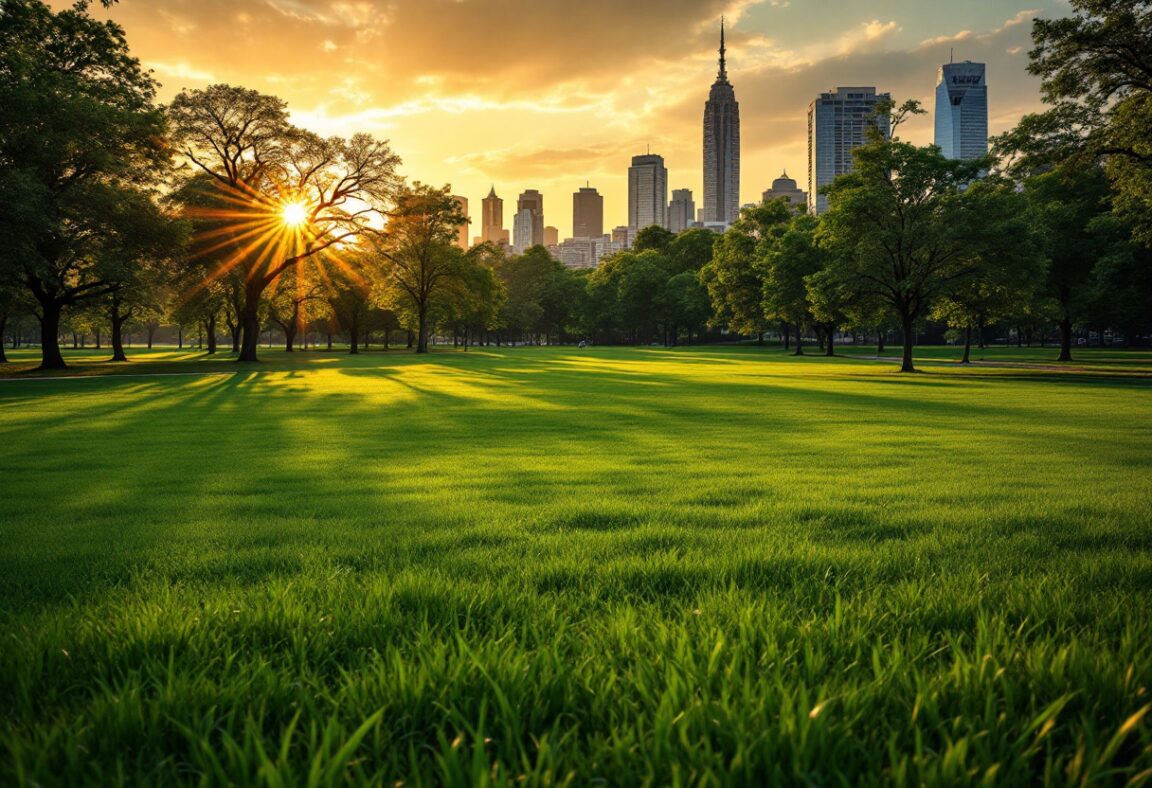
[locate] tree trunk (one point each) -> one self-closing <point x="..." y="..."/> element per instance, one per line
<point x="354" y="336"/>
<point x="906" y="361"/>
<point x="409" y="339"/>
<point x="799" y="341"/>
<point x="3" y="324"/>
<point x="967" y="345"/>
<point x="210" y="325"/>
<point x="422" y="329"/>
<point x="118" y="320"/>
<point x="1065" y="340"/>
<point x="75" y="341"/>
<point x="179" y="337"/>
<point x="830" y="348"/>
<point x="151" y="333"/>
<point x="50" y="356"/>
<point x="329" y="341"/>
<point x="250" y="324"/>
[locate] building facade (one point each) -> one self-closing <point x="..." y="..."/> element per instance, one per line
<point x="492" y="220"/>
<point x="788" y="189"/>
<point x="587" y="213"/>
<point x="647" y="193"/>
<point x="962" y="110"/>
<point x="681" y="211"/>
<point x="462" y="229"/>
<point x="721" y="148"/>
<point x="522" y="230"/>
<point x="533" y="200"/>
<point x="838" y="123"/>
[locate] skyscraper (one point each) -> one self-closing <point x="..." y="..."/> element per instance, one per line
<point x="534" y="201"/>
<point x="681" y="211"/>
<point x="721" y="148"/>
<point x="838" y="123"/>
<point x="587" y="214"/>
<point x="551" y="236"/>
<point x="962" y="110"/>
<point x="522" y="230"/>
<point x="462" y="230"/>
<point x="492" y="220"/>
<point x="647" y="193"/>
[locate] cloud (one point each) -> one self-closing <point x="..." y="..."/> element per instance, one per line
<point x="546" y="93"/>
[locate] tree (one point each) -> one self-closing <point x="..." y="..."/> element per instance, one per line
<point x="418" y="255"/>
<point x="786" y="263"/>
<point x="288" y="307"/>
<point x="1071" y="207"/>
<point x="472" y="300"/>
<point x="1008" y="267"/>
<point x="350" y="296"/>
<point x="1096" y="72"/>
<point x="733" y="280"/>
<point x="292" y="194"/>
<point x="905" y="230"/>
<point x="79" y="137"/>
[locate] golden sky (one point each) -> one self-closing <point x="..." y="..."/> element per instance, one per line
<point x="549" y="94"/>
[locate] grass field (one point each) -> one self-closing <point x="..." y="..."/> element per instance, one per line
<point x="620" y="566"/>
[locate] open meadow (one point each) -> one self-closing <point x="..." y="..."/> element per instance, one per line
<point x="549" y="565"/>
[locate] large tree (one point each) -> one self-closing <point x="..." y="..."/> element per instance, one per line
<point x="79" y="138"/>
<point x="1071" y="207"/>
<point x="1096" y="70"/>
<point x="733" y="277"/>
<point x="290" y="194"/>
<point x="905" y="229"/>
<point x="418" y="258"/>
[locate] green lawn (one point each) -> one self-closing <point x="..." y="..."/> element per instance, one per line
<point x="621" y="566"/>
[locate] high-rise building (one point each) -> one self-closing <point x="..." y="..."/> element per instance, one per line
<point x="534" y="201"/>
<point x="522" y="230"/>
<point x="786" y="187"/>
<point x="462" y="229"/>
<point x="647" y="193"/>
<point x="838" y="123"/>
<point x="587" y="214"/>
<point x="962" y="110"/>
<point x="681" y="211"/>
<point x="551" y="236"/>
<point x="492" y="220"/>
<point x="622" y="236"/>
<point x="721" y="148"/>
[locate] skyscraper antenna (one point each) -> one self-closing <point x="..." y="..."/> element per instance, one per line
<point x="952" y="55"/>
<point x="723" y="76"/>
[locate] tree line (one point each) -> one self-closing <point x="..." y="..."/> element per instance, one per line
<point x="215" y="214"/>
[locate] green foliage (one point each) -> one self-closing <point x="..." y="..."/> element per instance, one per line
<point x="733" y="278"/>
<point x="908" y="229"/>
<point x="541" y="294"/>
<point x="417" y="262"/>
<point x="1070" y="207"/>
<point x="1097" y="75"/>
<point x="81" y="144"/>
<point x="240" y="141"/>
<point x="584" y="566"/>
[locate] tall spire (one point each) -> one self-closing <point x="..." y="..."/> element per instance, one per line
<point x="723" y="75"/>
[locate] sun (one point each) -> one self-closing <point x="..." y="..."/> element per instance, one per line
<point x="293" y="214"/>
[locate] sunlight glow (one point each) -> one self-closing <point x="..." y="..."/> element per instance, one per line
<point x="294" y="214"/>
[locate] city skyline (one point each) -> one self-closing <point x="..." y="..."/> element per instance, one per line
<point x="554" y="118"/>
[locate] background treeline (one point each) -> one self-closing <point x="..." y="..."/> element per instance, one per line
<point x="214" y="220"/>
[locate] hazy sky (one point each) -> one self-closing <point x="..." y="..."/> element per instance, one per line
<point x="549" y="94"/>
